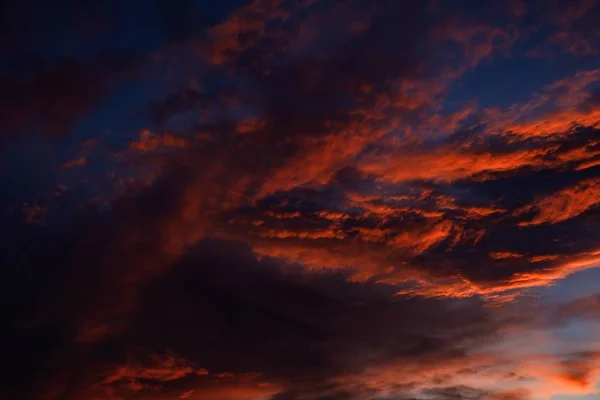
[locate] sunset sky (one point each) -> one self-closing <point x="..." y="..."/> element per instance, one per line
<point x="300" y="200"/>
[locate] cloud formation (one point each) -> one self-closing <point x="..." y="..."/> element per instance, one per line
<point x="300" y="199"/>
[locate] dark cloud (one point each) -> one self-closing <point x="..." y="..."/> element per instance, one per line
<point x="224" y="311"/>
<point x="57" y="96"/>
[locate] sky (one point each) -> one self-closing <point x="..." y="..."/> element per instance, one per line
<point x="300" y="200"/>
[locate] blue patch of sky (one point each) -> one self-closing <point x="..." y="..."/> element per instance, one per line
<point x="512" y="80"/>
<point x="578" y="285"/>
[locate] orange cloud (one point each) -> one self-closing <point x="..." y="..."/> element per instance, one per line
<point x="235" y="392"/>
<point x="503" y="290"/>
<point x="360" y="260"/>
<point x="504" y="255"/>
<point x="321" y="158"/>
<point x="587" y="164"/>
<point x="447" y="164"/>
<point x="250" y="125"/>
<point x="556" y="122"/>
<point x="78" y="162"/>
<point x="556" y="109"/>
<point x="416" y="240"/>
<point x="565" y="204"/>
<point x="160" y="368"/>
<point x="312" y="235"/>
<point x="152" y="142"/>
<point x="523" y="372"/>
<point x="150" y="379"/>
<point x="547" y="257"/>
<point x="577" y="373"/>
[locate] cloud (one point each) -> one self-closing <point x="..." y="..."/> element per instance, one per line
<point x="577" y="369"/>
<point x="322" y="210"/>
<point x="78" y="162"/>
<point x="568" y="29"/>
<point x="568" y="203"/>
<point x="59" y="94"/>
<point x="149" y="142"/>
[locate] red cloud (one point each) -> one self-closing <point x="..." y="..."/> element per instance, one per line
<point x="565" y="204"/>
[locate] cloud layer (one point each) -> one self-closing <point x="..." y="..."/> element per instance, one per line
<point x="289" y="200"/>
